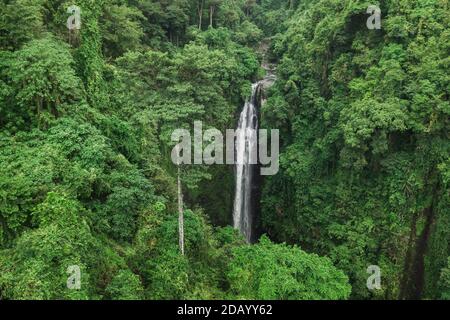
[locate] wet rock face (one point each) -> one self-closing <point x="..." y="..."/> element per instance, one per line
<point x="265" y="84"/>
<point x="270" y="77"/>
<point x="268" y="81"/>
<point x="270" y="68"/>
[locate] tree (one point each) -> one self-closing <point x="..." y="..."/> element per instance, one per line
<point x="364" y="140"/>
<point x="248" y="33"/>
<point x="180" y="212"/>
<point x="277" y="271"/>
<point x="44" y="80"/>
<point x="125" y="286"/>
<point x="213" y="4"/>
<point x="36" y="268"/>
<point x="444" y="282"/>
<point x="121" y="29"/>
<point x="20" y="21"/>
<point x="200" y="5"/>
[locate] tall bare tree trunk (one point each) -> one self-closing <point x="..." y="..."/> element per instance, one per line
<point x="200" y="14"/>
<point x="180" y="214"/>
<point x="211" y="13"/>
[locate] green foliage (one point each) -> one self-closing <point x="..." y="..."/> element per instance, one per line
<point x="90" y="63"/>
<point x="248" y="33"/>
<point x="277" y="271"/>
<point x="44" y="80"/>
<point x="444" y="282"/>
<point x="168" y="276"/>
<point x="36" y="267"/>
<point x="167" y="273"/>
<point x="86" y="177"/>
<point x="121" y="29"/>
<point x="364" y="123"/>
<point x="125" y="286"/>
<point x="20" y="21"/>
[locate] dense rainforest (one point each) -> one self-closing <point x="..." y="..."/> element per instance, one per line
<point x="87" y="181"/>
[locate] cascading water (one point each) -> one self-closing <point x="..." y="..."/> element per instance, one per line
<point x="248" y="181"/>
<point x="246" y="160"/>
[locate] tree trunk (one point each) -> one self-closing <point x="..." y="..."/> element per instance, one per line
<point x="39" y="104"/>
<point x="211" y="13"/>
<point x="180" y="214"/>
<point x="200" y="14"/>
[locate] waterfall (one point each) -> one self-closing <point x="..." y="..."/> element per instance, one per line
<point x="246" y="147"/>
<point x="246" y="160"/>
